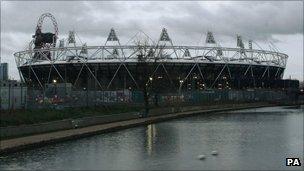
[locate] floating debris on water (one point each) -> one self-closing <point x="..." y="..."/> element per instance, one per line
<point x="201" y="157"/>
<point x="214" y="153"/>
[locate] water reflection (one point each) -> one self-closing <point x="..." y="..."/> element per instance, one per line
<point x="151" y="134"/>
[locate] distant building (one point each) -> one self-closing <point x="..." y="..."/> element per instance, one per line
<point x="13" y="95"/>
<point x="12" y="92"/>
<point x="3" y="71"/>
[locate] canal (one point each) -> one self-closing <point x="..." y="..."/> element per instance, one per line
<point x="248" y="139"/>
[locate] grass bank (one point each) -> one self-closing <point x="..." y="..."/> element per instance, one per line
<point x="27" y="116"/>
<point x="34" y="116"/>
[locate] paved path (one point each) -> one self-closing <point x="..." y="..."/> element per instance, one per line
<point x="16" y="144"/>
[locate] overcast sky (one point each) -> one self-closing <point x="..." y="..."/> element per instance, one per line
<point x="187" y="23"/>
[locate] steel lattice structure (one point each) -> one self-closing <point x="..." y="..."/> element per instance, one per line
<point x="161" y="65"/>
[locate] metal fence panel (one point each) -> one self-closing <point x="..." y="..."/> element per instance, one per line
<point x="65" y="96"/>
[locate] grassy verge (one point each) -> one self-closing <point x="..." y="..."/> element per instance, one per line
<point x="28" y="116"/>
<point x="21" y="117"/>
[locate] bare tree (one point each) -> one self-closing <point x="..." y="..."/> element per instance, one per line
<point x="145" y="80"/>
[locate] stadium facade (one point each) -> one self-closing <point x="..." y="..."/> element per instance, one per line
<point x="159" y="65"/>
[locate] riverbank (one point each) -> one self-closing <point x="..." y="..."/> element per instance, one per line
<point x="45" y="120"/>
<point x="31" y="116"/>
<point x="16" y="144"/>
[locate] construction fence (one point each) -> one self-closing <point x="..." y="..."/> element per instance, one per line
<point x="17" y="97"/>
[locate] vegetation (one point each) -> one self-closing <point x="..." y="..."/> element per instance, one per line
<point x="28" y="116"/>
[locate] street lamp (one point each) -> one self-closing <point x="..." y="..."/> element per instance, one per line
<point x="55" y="86"/>
<point x="180" y="86"/>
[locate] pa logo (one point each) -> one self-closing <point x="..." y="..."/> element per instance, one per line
<point x="293" y="162"/>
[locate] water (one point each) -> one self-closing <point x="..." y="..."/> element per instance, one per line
<point x="246" y="139"/>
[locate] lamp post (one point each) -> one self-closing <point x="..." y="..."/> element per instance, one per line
<point x="180" y="86"/>
<point x="54" y="100"/>
<point x="55" y="85"/>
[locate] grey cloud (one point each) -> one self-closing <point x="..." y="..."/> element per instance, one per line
<point x="255" y="19"/>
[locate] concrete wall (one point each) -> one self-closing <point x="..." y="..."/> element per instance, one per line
<point x="87" y="121"/>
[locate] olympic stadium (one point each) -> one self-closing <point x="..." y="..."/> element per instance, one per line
<point x="159" y="65"/>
